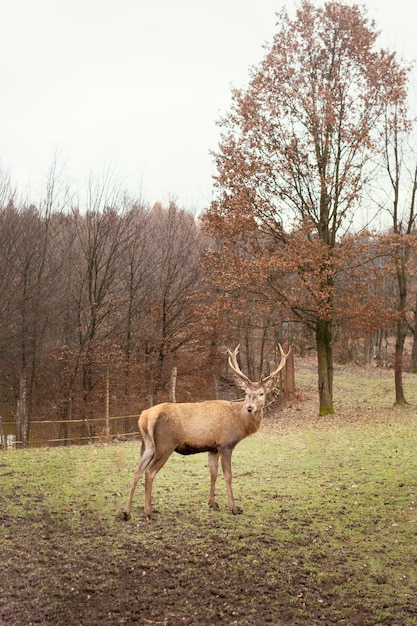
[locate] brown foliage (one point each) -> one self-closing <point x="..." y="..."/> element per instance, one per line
<point x="290" y="165"/>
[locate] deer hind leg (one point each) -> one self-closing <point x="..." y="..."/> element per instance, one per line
<point x="147" y="455"/>
<point x="213" y="463"/>
<point x="226" y="459"/>
<point x="153" y="468"/>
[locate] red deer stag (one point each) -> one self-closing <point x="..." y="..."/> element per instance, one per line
<point x="214" y="426"/>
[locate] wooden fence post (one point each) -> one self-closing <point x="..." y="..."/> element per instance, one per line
<point x="289" y="377"/>
<point x="172" y="391"/>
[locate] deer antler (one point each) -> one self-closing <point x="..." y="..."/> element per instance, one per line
<point x="280" y="366"/>
<point x="238" y="374"/>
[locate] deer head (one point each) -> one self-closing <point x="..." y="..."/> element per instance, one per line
<point x="255" y="392"/>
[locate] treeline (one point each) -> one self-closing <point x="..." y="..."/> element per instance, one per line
<point x="121" y="295"/>
<point x="114" y="290"/>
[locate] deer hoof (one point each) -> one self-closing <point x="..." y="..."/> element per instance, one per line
<point x="123" y="516"/>
<point x="237" y="510"/>
<point x="214" y="506"/>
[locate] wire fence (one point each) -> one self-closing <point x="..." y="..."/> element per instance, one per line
<point x="71" y="431"/>
<point x="101" y="429"/>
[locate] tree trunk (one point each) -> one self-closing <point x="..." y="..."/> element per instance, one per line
<point x="401" y="329"/>
<point x="158" y="384"/>
<point x="413" y="364"/>
<point x="398" y="363"/>
<point x="107" y="403"/>
<point x="21" y="413"/>
<point x="65" y="427"/>
<point x="324" y="342"/>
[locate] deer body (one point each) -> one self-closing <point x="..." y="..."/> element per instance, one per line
<point x="213" y="426"/>
<point x="201" y="426"/>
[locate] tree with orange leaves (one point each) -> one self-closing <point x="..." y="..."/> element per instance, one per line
<point x="291" y="161"/>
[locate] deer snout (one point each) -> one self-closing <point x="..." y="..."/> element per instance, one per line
<point x="250" y="408"/>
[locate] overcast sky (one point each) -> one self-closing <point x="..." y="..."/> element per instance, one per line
<point x="136" y="86"/>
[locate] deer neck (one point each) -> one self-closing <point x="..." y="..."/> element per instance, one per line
<point x="251" y="421"/>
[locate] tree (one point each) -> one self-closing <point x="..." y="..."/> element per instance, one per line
<point x="175" y="285"/>
<point x="33" y="268"/>
<point x="401" y="167"/>
<point x="95" y="245"/>
<point x="135" y="279"/>
<point x="292" y="157"/>
<point x="34" y="287"/>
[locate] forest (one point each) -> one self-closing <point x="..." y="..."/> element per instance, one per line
<point x="113" y="303"/>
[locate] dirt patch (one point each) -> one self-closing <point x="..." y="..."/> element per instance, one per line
<point x="127" y="573"/>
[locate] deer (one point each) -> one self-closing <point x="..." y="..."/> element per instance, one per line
<point x="213" y="426"/>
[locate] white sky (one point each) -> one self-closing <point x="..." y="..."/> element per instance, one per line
<point x="136" y="86"/>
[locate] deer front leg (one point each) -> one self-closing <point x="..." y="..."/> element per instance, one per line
<point x="145" y="459"/>
<point x="226" y="457"/>
<point x="213" y="463"/>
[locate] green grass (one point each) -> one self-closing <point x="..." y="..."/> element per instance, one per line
<point x="328" y="534"/>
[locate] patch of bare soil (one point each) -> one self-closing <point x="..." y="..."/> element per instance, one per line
<point x="139" y="573"/>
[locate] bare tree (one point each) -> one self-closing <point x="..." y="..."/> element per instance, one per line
<point x="135" y="280"/>
<point x="400" y="160"/>
<point x="96" y="248"/>
<point x="176" y="279"/>
<point x="37" y="267"/>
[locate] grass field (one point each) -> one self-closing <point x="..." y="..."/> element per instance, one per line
<point x="328" y="534"/>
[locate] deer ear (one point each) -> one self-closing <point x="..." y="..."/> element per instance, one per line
<point x="240" y="383"/>
<point x="270" y="384"/>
